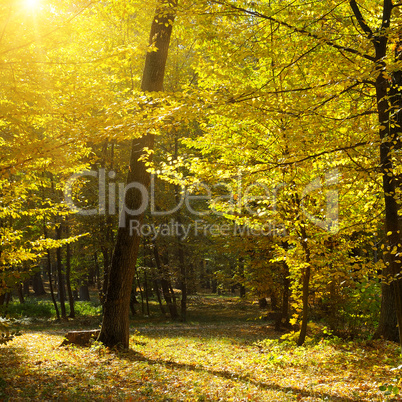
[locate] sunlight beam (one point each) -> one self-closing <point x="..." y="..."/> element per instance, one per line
<point x="32" y="4"/>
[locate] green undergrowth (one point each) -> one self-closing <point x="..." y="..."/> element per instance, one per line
<point x="43" y="308"/>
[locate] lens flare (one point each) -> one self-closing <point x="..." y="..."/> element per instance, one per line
<point x="31" y="3"/>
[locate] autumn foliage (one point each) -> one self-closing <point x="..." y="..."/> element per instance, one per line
<point x="154" y="151"/>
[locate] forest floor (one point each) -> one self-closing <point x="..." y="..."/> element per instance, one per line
<point x="223" y="353"/>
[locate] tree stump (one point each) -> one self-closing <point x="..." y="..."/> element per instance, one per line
<point x="81" y="338"/>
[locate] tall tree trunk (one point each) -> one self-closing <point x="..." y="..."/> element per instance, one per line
<point x="60" y="278"/>
<point x="165" y="286"/>
<point x="285" y="295"/>
<point x="68" y="281"/>
<point x="49" y="274"/>
<point x="387" y="326"/>
<point x="158" y="296"/>
<point x="84" y="291"/>
<point x="146" y="291"/>
<point x="8" y="298"/>
<point x="106" y="268"/>
<point x="183" y="277"/>
<point x="25" y="287"/>
<point x="98" y="274"/>
<point x="37" y="284"/>
<point x="389" y="134"/>
<point x="241" y="273"/>
<point x="133" y="301"/>
<point x="115" y="324"/>
<point x="180" y="248"/>
<point x="20" y="293"/>
<point x="305" y="284"/>
<point x="141" y="293"/>
<point x="172" y="293"/>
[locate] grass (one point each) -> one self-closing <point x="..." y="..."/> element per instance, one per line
<point x="234" y="357"/>
<point x="44" y="308"/>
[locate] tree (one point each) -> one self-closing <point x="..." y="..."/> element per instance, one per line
<point x="277" y="110"/>
<point x="39" y="134"/>
<point x="115" y="324"/>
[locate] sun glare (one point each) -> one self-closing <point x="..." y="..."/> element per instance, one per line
<point x="32" y="3"/>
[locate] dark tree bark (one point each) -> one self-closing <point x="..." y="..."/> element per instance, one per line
<point x="158" y="295"/>
<point x="115" y="324"/>
<point x="8" y="298"/>
<point x="20" y="293"/>
<point x="306" y="272"/>
<point x="214" y="286"/>
<point x="172" y="293"/>
<point x="262" y="303"/>
<point x="49" y="274"/>
<point x="37" y="284"/>
<point x="274" y="302"/>
<point x="26" y="286"/>
<point x="133" y="302"/>
<point x="183" y="278"/>
<point x="98" y="274"/>
<point x="285" y="296"/>
<point x="106" y="268"/>
<point x="68" y="282"/>
<point x="305" y="284"/>
<point x="84" y="292"/>
<point x="241" y="273"/>
<point x="387" y="326"/>
<point x="146" y="291"/>
<point x="169" y="298"/>
<point x="180" y="248"/>
<point x="141" y="292"/>
<point x="60" y="278"/>
<point x="106" y="225"/>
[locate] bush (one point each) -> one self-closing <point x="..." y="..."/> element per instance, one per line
<point x="353" y="312"/>
<point x="87" y="308"/>
<point x="359" y="314"/>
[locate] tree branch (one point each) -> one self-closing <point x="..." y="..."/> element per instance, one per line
<point x="245" y="97"/>
<point x="312" y="156"/>
<point x="296" y="29"/>
<point x="360" y="19"/>
<point x="386" y="15"/>
<point x="351" y="117"/>
<point x="332" y="97"/>
<point x="293" y="62"/>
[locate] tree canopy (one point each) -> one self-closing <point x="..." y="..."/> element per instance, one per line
<point x="270" y="129"/>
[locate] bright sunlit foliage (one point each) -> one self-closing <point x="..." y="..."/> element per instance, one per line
<point x="278" y="107"/>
